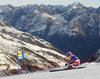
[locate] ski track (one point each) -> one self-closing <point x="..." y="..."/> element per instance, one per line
<point x="92" y="71"/>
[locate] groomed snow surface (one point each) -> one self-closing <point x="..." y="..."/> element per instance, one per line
<point x="92" y="71"/>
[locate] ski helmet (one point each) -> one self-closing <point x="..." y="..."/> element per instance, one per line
<point x="68" y="53"/>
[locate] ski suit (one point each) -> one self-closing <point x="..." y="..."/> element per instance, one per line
<point x="74" y="61"/>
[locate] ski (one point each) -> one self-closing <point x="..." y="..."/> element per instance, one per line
<point x="65" y="69"/>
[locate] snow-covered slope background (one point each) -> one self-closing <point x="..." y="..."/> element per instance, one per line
<point x="96" y="57"/>
<point x="38" y="53"/>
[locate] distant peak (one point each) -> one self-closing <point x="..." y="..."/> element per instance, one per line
<point x="9" y="5"/>
<point x="98" y="10"/>
<point x="76" y="4"/>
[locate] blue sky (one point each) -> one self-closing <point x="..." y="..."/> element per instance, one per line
<point x="93" y="3"/>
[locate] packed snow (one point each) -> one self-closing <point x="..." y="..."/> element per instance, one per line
<point x="91" y="71"/>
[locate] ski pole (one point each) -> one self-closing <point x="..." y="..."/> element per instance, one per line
<point x="74" y="50"/>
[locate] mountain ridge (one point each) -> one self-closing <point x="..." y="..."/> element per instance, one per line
<point x="37" y="52"/>
<point x="63" y="26"/>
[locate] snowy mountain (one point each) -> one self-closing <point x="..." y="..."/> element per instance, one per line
<point x="77" y="5"/>
<point x="37" y="52"/>
<point x="66" y="27"/>
<point x="96" y="57"/>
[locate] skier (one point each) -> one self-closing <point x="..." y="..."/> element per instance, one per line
<point x="72" y="60"/>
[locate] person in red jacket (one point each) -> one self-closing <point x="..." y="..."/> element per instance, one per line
<point x="72" y="60"/>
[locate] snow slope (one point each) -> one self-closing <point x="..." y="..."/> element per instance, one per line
<point x="37" y="52"/>
<point x="92" y="71"/>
